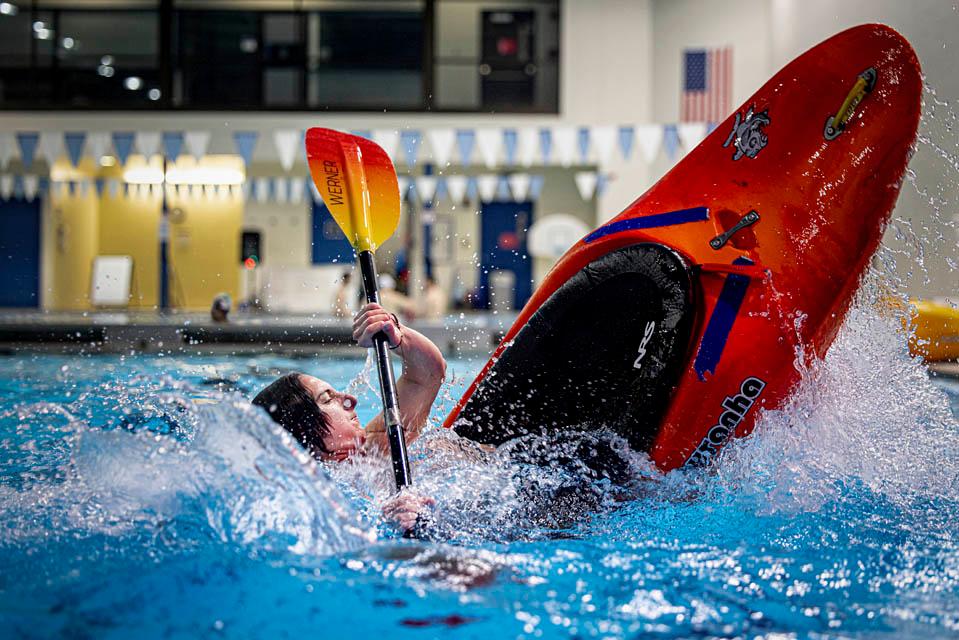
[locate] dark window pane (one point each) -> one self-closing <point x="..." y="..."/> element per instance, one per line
<point x="126" y="40"/>
<point x="371" y="40"/>
<point x="26" y="54"/>
<point x="219" y="58"/>
<point x="367" y="59"/>
<point x="108" y="58"/>
<point x="15" y="39"/>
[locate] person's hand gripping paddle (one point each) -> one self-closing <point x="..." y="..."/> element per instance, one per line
<point x="358" y="184"/>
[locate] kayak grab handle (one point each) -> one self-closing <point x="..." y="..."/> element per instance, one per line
<point x="865" y="83"/>
<point x="720" y="241"/>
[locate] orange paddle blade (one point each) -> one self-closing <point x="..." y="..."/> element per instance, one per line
<point x="358" y="184"/>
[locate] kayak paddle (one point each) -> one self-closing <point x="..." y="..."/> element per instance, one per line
<point x="358" y="183"/>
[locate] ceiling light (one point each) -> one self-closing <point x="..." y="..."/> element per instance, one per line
<point x="39" y="25"/>
<point x="143" y="175"/>
<point x="8" y="9"/>
<point x="204" y="175"/>
<point x="105" y="71"/>
<point x="68" y="42"/>
<point x="133" y="83"/>
<point x="106" y="61"/>
<point x="108" y="161"/>
<point x="154" y="94"/>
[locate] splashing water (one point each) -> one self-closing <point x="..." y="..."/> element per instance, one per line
<point x="146" y="496"/>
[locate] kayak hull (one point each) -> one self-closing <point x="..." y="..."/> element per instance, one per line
<point x="774" y="218"/>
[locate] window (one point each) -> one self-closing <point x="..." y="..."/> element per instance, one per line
<point x="446" y="55"/>
<point x="367" y="59"/>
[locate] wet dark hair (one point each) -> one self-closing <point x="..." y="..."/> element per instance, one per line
<point x="292" y="407"/>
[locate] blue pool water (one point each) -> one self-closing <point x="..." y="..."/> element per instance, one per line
<point x="144" y="497"/>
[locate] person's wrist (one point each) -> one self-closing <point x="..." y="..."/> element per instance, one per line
<point x="399" y="331"/>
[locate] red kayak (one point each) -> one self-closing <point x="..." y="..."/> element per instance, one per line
<point x="677" y="321"/>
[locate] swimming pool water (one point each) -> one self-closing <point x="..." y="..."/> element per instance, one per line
<point x="143" y="496"/>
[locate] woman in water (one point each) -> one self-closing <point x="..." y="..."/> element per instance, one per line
<point x="324" y="421"/>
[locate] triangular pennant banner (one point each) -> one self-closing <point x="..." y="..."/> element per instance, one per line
<point x="670" y="141"/>
<point x="488" y="142"/>
<point x="172" y="144"/>
<point x="43" y="185"/>
<point x="6" y="186"/>
<point x="27" y="141"/>
<point x="281" y="192"/>
<point x="123" y="145"/>
<point x="147" y="143"/>
<point x="296" y="190"/>
<point x="245" y="142"/>
<point x="113" y="188"/>
<point x="247" y="189"/>
<point x="98" y="144"/>
<point x="527" y="145"/>
<point x="487" y="184"/>
<point x="546" y="144"/>
<point x="441" y="192"/>
<point x="536" y="187"/>
<point x="426" y="188"/>
<point x="51" y="146"/>
<point x="410" y="144"/>
<point x="441" y="141"/>
<point x="602" y="181"/>
<point x="586" y="183"/>
<point x="604" y="141"/>
<point x="465" y="141"/>
<point x="288" y="142"/>
<point x="403" y="185"/>
<point x="18" y="191"/>
<point x="197" y="142"/>
<point x="582" y="143"/>
<point x="7" y="148"/>
<point x="502" y="189"/>
<point x="31" y="185"/>
<point x="565" y="140"/>
<point x="650" y="137"/>
<point x="472" y="188"/>
<point x="626" y="136"/>
<point x="388" y="139"/>
<point x="519" y="186"/>
<point x="262" y="190"/>
<point x="456" y="187"/>
<point x="691" y="134"/>
<point x="510" y="138"/>
<point x="100" y="183"/>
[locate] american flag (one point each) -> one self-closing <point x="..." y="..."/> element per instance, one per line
<point x="707" y="84"/>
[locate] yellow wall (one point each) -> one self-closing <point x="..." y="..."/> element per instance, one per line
<point x="129" y="225"/>
<point x="204" y="240"/>
<point x="204" y="250"/>
<point x="69" y="245"/>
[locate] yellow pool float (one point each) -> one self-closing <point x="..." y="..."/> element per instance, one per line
<point x="936" y="335"/>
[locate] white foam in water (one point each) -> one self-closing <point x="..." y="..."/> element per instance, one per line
<point x="868" y="412"/>
<point x="234" y="476"/>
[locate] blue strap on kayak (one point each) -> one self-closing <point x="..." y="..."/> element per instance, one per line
<point x="697" y="214"/>
<point x="721" y="322"/>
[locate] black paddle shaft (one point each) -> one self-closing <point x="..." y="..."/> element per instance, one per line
<point x="391" y="409"/>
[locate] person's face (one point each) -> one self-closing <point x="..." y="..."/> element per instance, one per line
<point x="346" y="436"/>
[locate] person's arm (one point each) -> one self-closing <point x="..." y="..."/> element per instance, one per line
<point x="423" y="372"/>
